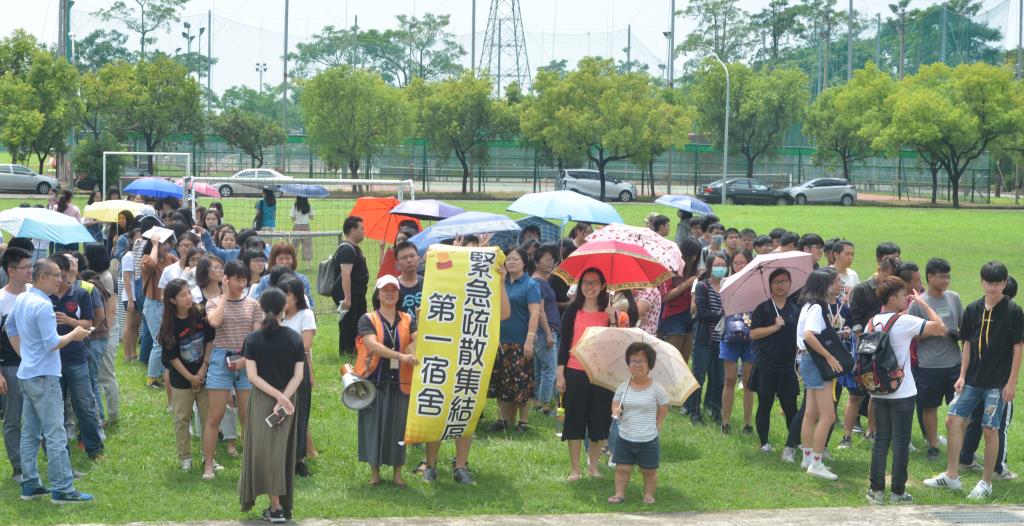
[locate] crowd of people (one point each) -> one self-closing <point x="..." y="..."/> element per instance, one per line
<point x="224" y="323"/>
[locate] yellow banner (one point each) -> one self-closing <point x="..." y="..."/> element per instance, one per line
<point x="456" y="342"/>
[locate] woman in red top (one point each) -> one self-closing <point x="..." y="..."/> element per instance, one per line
<point x="587" y="406"/>
<point x="676" y="296"/>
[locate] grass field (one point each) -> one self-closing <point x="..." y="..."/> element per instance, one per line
<point x="701" y="470"/>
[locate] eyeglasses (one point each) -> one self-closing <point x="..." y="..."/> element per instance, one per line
<point x="22" y="267"/>
<point x="58" y="275"/>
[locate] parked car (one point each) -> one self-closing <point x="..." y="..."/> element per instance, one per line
<point x="823" y="190"/>
<point x="18" y="178"/>
<point x="588" y="182"/>
<point x="251" y="182"/>
<point x="744" y="190"/>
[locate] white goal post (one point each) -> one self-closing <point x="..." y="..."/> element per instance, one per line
<point x="186" y="155"/>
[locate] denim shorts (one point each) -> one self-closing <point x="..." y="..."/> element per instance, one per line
<point x="736" y="351"/>
<point x="964" y="404"/>
<point x="642" y="454"/>
<point x="679" y="323"/>
<point x="220" y="377"/>
<point x="809" y="372"/>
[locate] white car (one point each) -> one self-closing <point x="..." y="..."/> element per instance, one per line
<point x="251" y="182"/>
<point x="588" y="182"/>
<point x="18" y="178"/>
<point x="825" y="190"/>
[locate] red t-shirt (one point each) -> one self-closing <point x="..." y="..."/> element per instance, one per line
<point x="680" y="304"/>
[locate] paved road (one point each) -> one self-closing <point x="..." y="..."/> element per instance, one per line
<point x="901" y="515"/>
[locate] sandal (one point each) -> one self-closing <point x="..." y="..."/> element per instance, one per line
<point x="572" y="478"/>
<point x="614" y="499"/>
<point x="648" y="500"/>
<point x="522" y="427"/>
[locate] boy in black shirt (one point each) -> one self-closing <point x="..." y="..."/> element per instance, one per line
<point x="993" y="333"/>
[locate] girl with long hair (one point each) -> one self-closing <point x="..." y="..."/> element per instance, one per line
<point x="302" y="217"/>
<point x="299" y="317"/>
<point x="266" y="211"/>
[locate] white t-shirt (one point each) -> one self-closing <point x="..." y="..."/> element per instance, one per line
<point x="7" y="300"/>
<point x="900" y="336"/>
<point x="850" y="279"/>
<point x="172" y="272"/>
<point x="810" y="320"/>
<point x="302" y="321"/>
<point x="127" y="266"/>
<point x="299" y="218"/>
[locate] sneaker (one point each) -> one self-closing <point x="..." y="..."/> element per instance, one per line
<point x="696" y="419"/>
<point x="747" y="430"/>
<point x="18" y="478"/>
<point x="846" y="442"/>
<point x="154" y="383"/>
<point x="683" y="411"/>
<point x="74" y="497"/>
<point x="942" y="440"/>
<point x="788" y="454"/>
<point x="933" y="453"/>
<point x="429" y="474"/>
<point x="497" y="427"/>
<point x="726" y="428"/>
<point x="903" y="498"/>
<point x="33" y="493"/>
<point x="826" y="455"/>
<point x="911" y="448"/>
<point x="301" y="469"/>
<point x="819" y="470"/>
<point x="806" y="461"/>
<point x="973" y="466"/>
<point x="767" y="449"/>
<point x="462" y="476"/>
<point x="611" y="463"/>
<point x="982" y="490"/>
<point x="857" y="429"/>
<point x="876" y="498"/>
<point x="942" y="480"/>
<point x="186" y="465"/>
<point x="274" y="516"/>
<point x="1006" y="475"/>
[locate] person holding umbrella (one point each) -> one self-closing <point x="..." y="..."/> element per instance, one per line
<point x="773" y="331"/>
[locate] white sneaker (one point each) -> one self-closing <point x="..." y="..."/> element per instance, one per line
<point x="876" y="498"/>
<point x="819" y="470"/>
<point x="905" y="498"/>
<point x="942" y="440"/>
<point x="982" y="490"/>
<point x="767" y="449"/>
<point x="186" y="465"/>
<point x="806" y="461"/>
<point x="910" y="447"/>
<point x="788" y="454"/>
<point x="610" y="463"/>
<point x="942" y="480"/>
<point x="1006" y="475"/>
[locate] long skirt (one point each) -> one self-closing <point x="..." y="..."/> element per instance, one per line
<point x="268" y="460"/>
<point x="382" y="427"/>
<point x="303" y="406"/>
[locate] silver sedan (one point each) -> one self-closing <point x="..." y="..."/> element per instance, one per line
<point x="250" y="182"/>
<point x="18" y="178"/>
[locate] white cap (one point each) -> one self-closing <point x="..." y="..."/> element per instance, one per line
<point x="386" y="280"/>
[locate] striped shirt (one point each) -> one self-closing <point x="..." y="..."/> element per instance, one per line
<point x="639" y="420"/>
<point x="715" y="304"/>
<point x="240" y="318"/>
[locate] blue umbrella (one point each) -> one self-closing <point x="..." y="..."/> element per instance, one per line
<point x="154" y="187"/>
<point x="548" y="232"/>
<point x="305" y="190"/>
<point x="40" y="223"/>
<point x="461" y="225"/>
<point x="686" y="203"/>
<point x="566" y="205"/>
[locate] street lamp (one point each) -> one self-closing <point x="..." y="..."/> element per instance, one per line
<point x="725" y="139"/>
<point x="261" y="68"/>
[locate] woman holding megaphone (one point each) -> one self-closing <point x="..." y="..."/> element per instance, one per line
<point x="385" y="355"/>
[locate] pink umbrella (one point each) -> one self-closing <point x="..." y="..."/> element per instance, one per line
<point x="748" y="288"/>
<point x="664" y="250"/>
<point x="201" y="188"/>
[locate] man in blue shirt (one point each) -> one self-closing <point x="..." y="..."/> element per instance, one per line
<point x="74" y="308"/>
<point x="32" y="328"/>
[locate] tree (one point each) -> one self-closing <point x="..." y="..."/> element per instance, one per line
<point x="459" y="117"/>
<point x="954" y="115"/>
<point x="100" y="48"/>
<point x="55" y="87"/>
<point x="161" y="100"/>
<point x="433" y="52"/>
<point x="763" y="105"/>
<point x="722" y="28"/>
<point x="249" y="132"/>
<point x="351" y="114"/>
<point x="104" y="93"/>
<point x="835" y="120"/>
<point x="20" y="121"/>
<point x="150" y="16"/>
<point x="779" y="24"/>
<point x="247" y="99"/>
<point x="87" y="159"/>
<point x="601" y="113"/>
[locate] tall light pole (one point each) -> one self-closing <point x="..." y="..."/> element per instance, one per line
<point x="668" y="77"/>
<point x="900" y="9"/>
<point x="849" y="42"/>
<point x="725" y="139"/>
<point x="261" y="68"/>
<point x="284" y="91"/>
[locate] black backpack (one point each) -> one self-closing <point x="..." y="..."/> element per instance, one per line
<point x="877" y="371"/>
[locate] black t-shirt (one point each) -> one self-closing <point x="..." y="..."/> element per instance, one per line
<point x="410" y="298"/>
<point x="561" y="289"/>
<point x="190" y="348"/>
<point x="864" y="303"/>
<point x="992" y="335"/>
<point x="777" y="352"/>
<point x="349" y="254"/>
<point x="275" y="354"/>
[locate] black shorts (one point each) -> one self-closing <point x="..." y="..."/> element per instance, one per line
<point x="934" y="384"/>
<point x="588" y="408"/>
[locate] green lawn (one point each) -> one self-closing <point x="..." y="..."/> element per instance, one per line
<point x="701" y="470"/>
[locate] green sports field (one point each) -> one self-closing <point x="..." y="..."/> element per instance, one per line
<point x="701" y="470"/>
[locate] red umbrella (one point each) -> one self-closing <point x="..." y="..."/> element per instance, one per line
<point x="378" y="222"/>
<point x="624" y="265"/>
<point x="201" y="188"/>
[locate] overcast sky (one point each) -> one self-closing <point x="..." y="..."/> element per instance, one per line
<point x="249" y="31"/>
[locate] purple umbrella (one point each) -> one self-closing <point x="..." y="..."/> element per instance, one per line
<point x="427" y="209"/>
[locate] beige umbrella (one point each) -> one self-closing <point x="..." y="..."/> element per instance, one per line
<point x="602" y="352"/>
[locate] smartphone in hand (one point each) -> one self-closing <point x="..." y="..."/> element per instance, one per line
<point x="275" y="418"/>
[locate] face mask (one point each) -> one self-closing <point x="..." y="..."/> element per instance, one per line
<point x="719" y="272"/>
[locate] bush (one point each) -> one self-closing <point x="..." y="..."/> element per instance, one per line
<point x="87" y="160"/>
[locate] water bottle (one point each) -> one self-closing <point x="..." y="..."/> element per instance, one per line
<point x="559" y="421"/>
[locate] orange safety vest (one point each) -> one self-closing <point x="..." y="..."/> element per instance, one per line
<point x="367" y="362"/>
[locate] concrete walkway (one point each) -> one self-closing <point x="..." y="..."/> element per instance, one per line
<point x="876" y="515"/>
